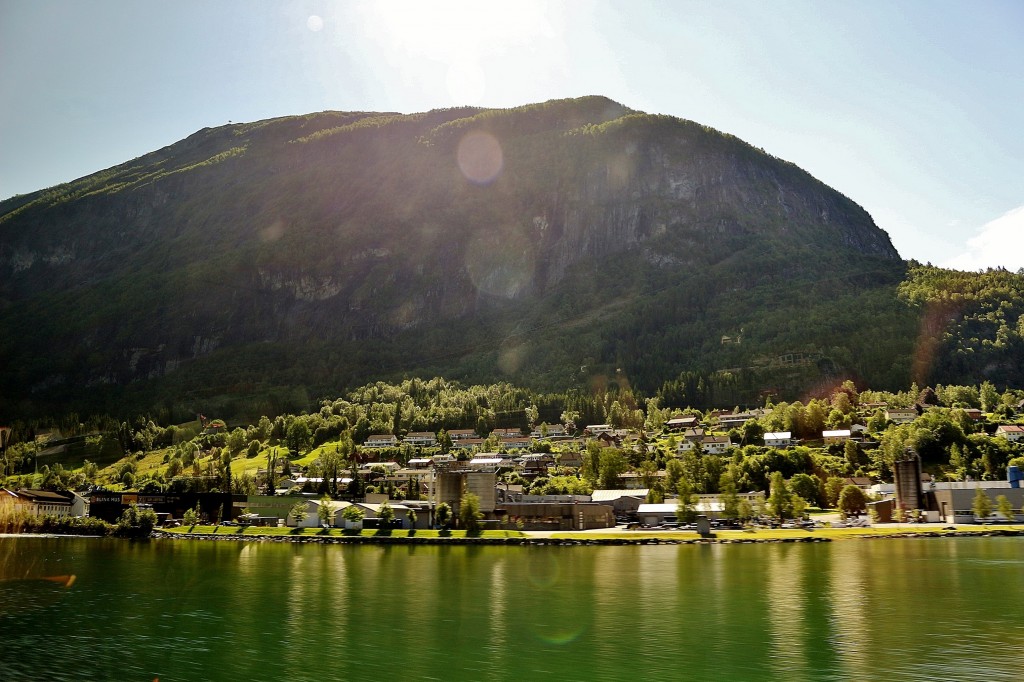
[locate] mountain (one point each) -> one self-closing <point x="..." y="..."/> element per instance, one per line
<point x="570" y="243"/>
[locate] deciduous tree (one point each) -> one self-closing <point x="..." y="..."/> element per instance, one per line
<point x="981" y="505"/>
<point x="686" y="509"/>
<point x="1005" y="507"/>
<point x="613" y="464"/>
<point x="442" y="514"/>
<point x="852" y="501"/>
<point x="324" y="512"/>
<point x="386" y="515"/>
<point x="728" y="496"/>
<point x="469" y="513"/>
<point x="780" y="500"/>
<point x="299" y="511"/>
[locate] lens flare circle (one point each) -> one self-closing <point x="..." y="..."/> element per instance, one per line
<point x="501" y="262"/>
<point x="271" y="233"/>
<point x="480" y="157"/>
<point x="314" y="23"/>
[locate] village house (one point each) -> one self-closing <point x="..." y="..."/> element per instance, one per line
<point x="623" y="502"/>
<point x="779" y="439"/>
<point x="389" y="468"/>
<point x="836" y="436"/>
<point x="489" y="461"/>
<point x="862" y="482"/>
<point x="667" y="512"/>
<point x="560" y="515"/>
<point x="462" y="434"/>
<point x="467" y="443"/>
<point x="535" y="464"/>
<point x="709" y="445"/>
<point x="517" y="443"/>
<point x="405" y="475"/>
<point x="420" y="439"/>
<point x="371" y="511"/>
<point x="381" y="441"/>
<point x="632" y="480"/>
<point x="313" y="482"/>
<point x="680" y="423"/>
<point x="569" y="458"/>
<point x="546" y="430"/>
<point x="901" y="415"/>
<point x="694" y="434"/>
<point x="45" y="502"/>
<point x="1011" y="432"/>
<point x="312" y="517"/>
<point x="214" y="427"/>
<point x="598" y="429"/>
<point x="728" y="421"/>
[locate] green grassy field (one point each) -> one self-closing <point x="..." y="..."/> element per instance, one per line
<point x="272" y="531"/>
<point x="750" y="535"/>
<point x="768" y="534"/>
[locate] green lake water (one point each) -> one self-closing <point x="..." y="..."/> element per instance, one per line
<point x="920" y="609"/>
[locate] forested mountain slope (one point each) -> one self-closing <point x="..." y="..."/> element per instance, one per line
<point x="257" y="266"/>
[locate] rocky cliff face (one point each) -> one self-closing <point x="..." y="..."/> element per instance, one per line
<point x="341" y="227"/>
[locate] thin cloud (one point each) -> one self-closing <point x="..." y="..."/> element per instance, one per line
<point x="1000" y="242"/>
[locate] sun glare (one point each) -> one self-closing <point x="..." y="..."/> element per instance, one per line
<point x="464" y="39"/>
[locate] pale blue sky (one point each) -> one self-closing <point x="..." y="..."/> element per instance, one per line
<point x="913" y="109"/>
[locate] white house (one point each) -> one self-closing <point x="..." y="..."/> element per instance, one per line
<point x="373" y="468"/>
<point x="467" y="443"/>
<point x="46" y="502"/>
<point x="709" y="445"/>
<point x="901" y="415"/>
<point x="487" y="462"/>
<point x="312" y="519"/>
<point x="738" y="419"/>
<point x="371" y="510"/>
<point x="420" y="438"/>
<point x="836" y="436"/>
<point x="381" y="441"/>
<point x="778" y="439"/>
<point x="1011" y="432"/>
<point x="546" y="430"/>
<point x="313" y="481"/>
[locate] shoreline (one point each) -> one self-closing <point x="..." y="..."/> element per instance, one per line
<point x="570" y="538"/>
<point x="577" y="538"/>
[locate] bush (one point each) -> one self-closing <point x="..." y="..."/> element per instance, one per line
<point x="18" y="521"/>
<point x="135" y="522"/>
